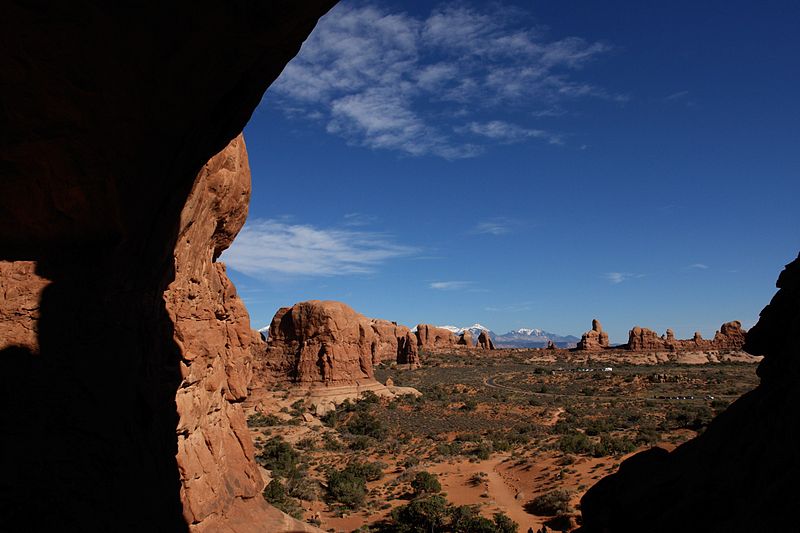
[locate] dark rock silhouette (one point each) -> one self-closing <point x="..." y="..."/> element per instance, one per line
<point x="741" y="473"/>
<point x="112" y="110"/>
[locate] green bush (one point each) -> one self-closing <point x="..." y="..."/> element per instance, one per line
<point x="550" y="504"/>
<point x="422" y="515"/>
<point x="258" y="420"/>
<point x="346" y="488"/>
<point x="426" y="483"/>
<point x="278" y="456"/>
<point x="275" y="493"/>
<point x="366" y="424"/>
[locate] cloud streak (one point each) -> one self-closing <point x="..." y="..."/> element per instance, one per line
<point x="450" y="285"/>
<point x="435" y="85"/>
<point x="618" y="277"/>
<point x="266" y="248"/>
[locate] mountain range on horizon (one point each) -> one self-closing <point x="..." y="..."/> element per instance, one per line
<point x="518" y="338"/>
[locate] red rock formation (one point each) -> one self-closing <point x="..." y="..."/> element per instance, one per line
<point x="485" y="342"/>
<point x="551" y="345"/>
<point x="465" y="339"/>
<point x="326" y="342"/>
<point x="430" y="337"/>
<point x="408" y="351"/>
<point x="212" y="330"/>
<point x="20" y="291"/>
<point x="643" y="339"/>
<point x="730" y="336"/>
<point x="741" y="473"/>
<point x="595" y="339"/>
<point x="388" y="337"/>
<point x="115" y="110"/>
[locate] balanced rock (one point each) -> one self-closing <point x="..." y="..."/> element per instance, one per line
<point x="594" y="339"/>
<point x="485" y="341"/>
<point x="430" y="337"/>
<point x="465" y="339"/>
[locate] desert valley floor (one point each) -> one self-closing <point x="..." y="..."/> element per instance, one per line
<point x="519" y="432"/>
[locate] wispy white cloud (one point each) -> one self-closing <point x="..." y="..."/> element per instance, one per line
<point x="450" y="285"/>
<point x="677" y="96"/>
<point x="359" y="219"/>
<point x="619" y="277"/>
<point x="493" y="226"/>
<point x="418" y="85"/>
<point x="505" y="132"/>
<point x="698" y="266"/>
<point x="265" y="248"/>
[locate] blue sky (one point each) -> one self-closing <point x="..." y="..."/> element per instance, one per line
<point x="530" y="164"/>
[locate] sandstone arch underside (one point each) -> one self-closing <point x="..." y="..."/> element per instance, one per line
<point x="126" y="350"/>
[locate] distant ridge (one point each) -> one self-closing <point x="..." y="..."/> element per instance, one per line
<point x="519" y="338"/>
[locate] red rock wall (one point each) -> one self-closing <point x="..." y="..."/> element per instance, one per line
<point x="115" y="110"/>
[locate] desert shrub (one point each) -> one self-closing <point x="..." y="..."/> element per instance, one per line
<point x="278" y="456"/>
<point x="275" y="493"/>
<point x="425" y="483"/>
<point x="477" y="478"/>
<point x="647" y="436"/>
<point x="410" y="462"/>
<point x="300" y="485"/>
<point x="258" y="420"/>
<point x="550" y="504"/>
<point x="307" y="443"/>
<point x="361" y="442"/>
<point x="331" y="443"/>
<point x="575" y="443"/>
<point x="612" y="446"/>
<point x="469" y="405"/>
<point x="482" y="451"/>
<point x="369" y="471"/>
<point x="448" y="448"/>
<point x="421" y="515"/>
<point x="347" y="488"/>
<point x="366" y="424"/>
<point x="597" y="426"/>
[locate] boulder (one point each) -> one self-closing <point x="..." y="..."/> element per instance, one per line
<point x="594" y="339"/>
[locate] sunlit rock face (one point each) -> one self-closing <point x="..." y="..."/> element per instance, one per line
<point x="431" y="337"/>
<point x="594" y="339"/>
<point x="741" y="473"/>
<point x="327" y="343"/>
<point x="126" y="348"/>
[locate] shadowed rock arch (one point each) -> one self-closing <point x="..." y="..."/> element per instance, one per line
<point x="110" y="111"/>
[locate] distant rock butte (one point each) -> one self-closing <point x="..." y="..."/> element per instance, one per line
<point x="730" y="336"/>
<point x="328" y="343"/>
<point x="430" y="337"/>
<point x="465" y="339"/>
<point x="485" y="342"/>
<point x="595" y="339"/>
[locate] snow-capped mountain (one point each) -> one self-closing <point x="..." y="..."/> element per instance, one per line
<point x="534" y="338"/>
<point x="519" y="338"/>
<point x="474" y="329"/>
